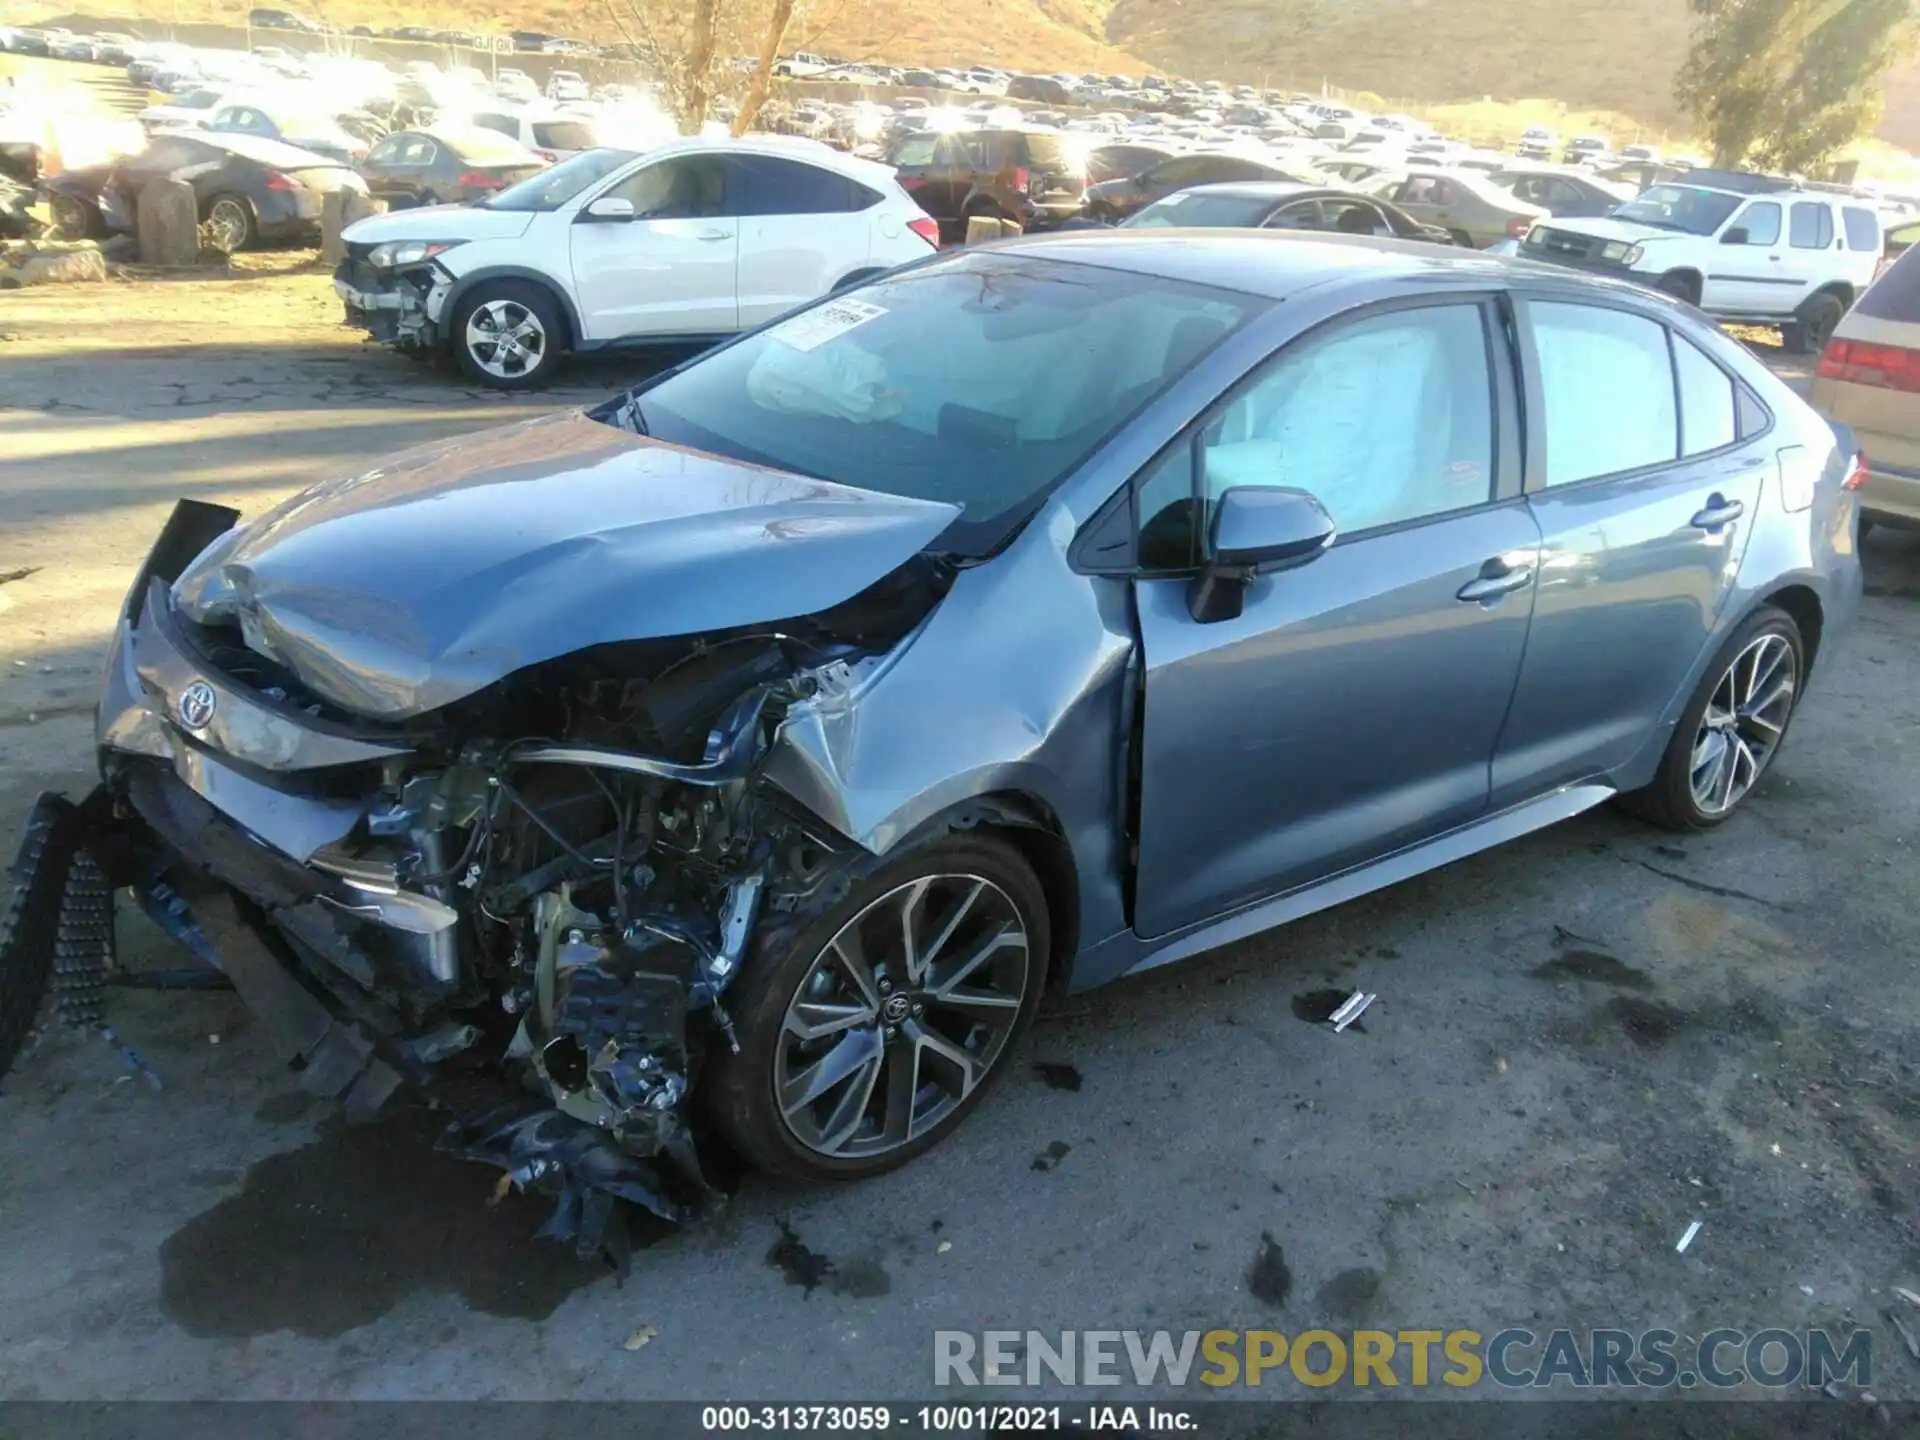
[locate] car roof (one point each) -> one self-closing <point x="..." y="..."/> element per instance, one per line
<point x="1276" y="264"/>
<point x="1266" y="190"/>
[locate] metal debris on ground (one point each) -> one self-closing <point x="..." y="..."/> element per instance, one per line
<point x="1906" y="1295"/>
<point x="1687" y="1239"/>
<point x="640" y="1337"/>
<point x="1904" y="1330"/>
<point x="1354" y="1007"/>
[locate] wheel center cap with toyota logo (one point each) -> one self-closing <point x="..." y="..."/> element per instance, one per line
<point x="197" y="704"/>
<point x="896" y="1009"/>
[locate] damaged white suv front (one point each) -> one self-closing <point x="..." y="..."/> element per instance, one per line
<point x="688" y="243"/>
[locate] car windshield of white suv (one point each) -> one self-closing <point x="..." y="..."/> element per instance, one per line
<point x="982" y="380"/>
<point x="1685" y="208"/>
<point x="554" y="187"/>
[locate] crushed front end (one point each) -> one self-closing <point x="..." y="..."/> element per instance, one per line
<point x="394" y="292"/>
<point x="530" y="902"/>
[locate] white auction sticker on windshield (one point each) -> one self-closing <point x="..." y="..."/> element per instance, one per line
<point x="823" y="322"/>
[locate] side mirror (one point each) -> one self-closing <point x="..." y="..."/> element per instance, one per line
<point x="610" y="207"/>
<point x="1735" y="236"/>
<point x="1256" y="530"/>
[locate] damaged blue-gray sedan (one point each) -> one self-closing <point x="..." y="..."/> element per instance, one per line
<point x="747" y="756"/>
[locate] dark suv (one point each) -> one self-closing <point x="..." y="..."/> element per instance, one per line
<point x="1030" y="176"/>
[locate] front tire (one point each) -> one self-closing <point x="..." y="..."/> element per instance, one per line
<point x="508" y="334"/>
<point x="872" y="1021"/>
<point x="1732" y="729"/>
<point x="231" y="222"/>
<point x="1679" y="285"/>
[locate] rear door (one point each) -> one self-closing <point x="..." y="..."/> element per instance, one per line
<point x="802" y="230"/>
<point x="671" y="270"/>
<point x="1810" y="250"/>
<point x="919" y="167"/>
<point x="1645" y="489"/>
<point x="1353" y="707"/>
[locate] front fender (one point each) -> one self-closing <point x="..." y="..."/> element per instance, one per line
<point x="1016" y="683"/>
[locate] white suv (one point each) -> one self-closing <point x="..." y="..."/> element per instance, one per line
<point x="691" y="242"/>
<point x="1742" y="248"/>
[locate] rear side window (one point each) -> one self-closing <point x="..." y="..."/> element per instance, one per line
<point x="768" y="185"/>
<point x="562" y="135"/>
<point x="1706" y="400"/>
<point x="1896" y="294"/>
<point x="1863" y="227"/>
<point x="1607" y="388"/>
<point x="1809" y="225"/>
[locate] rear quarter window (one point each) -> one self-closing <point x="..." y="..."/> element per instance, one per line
<point x="1863" y="227"/>
<point x="1896" y="294"/>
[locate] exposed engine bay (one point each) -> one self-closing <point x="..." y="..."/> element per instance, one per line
<point x="531" y="902"/>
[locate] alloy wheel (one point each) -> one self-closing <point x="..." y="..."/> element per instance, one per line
<point x="227" y="223"/>
<point x="1745" y="720"/>
<point x="901" y="1016"/>
<point x="506" y="339"/>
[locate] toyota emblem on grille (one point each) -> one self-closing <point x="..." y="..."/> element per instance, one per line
<point x="197" y="704"/>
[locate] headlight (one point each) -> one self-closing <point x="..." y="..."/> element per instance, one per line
<point x="1632" y="257"/>
<point x="396" y="253"/>
<point x="1614" y="250"/>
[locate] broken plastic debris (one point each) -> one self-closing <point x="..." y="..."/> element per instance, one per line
<point x="1351" y="1009"/>
<point x="1687" y="1239"/>
<point x="1906" y="1295"/>
<point x="943" y="1247"/>
<point x="1905" y="1331"/>
<point x="500" y="1189"/>
<point x="639" y="1338"/>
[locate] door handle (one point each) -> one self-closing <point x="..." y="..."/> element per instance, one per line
<point x="1720" y="512"/>
<point x="714" y="235"/>
<point x="1497" y="578"/>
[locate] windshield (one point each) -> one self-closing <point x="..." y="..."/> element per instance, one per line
<point x="554" y="187"/>
<point x="1037" y="364"/>
<point x="1680" y="207"/>
<point x="562" y="135"/>
<point x="1192" y="210"/>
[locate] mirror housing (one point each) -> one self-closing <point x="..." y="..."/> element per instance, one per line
<point x="610" y="207"/>
<point x="1256" y="530"/>
<point x="1736" y="236"/>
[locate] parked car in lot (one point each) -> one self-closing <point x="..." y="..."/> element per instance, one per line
<point x="1281" y="205"/>
<point x="322" y="134"/>
<point x="1116" y="199"/>
<point x="1869" y="379"/>
<point x="1025" y="619"/>
<point x="250" y="190"/>
<point x="692" y="241"/>
<point x="1748" y="248"/>
<point x="1124" y="158"/>
<point x="1033" y="176"/>
<point x="444" y="166"/>
<point x="1536" y="143"/>
<point x="1562" y="192"/>
<point x="1464" y="203"/>
<point x="550" y="134"/>
<point x="267" y="19"/>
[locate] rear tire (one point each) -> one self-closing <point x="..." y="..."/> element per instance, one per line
<point x="802" y="960"/>
<point x="1462" y="239"/>
<point x="1813" y="326"/>
<point x="231" y="220"/>
<point x="69" y="218"/>
<point x="508" y="334"/>
<point x="1747" y="669"/>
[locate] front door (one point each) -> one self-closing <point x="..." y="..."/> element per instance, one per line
<point x="1645" y="501"/>
<point x="671" y="269"/>
<point x="1353" y="707"/>
<point x="1752" y="275"/>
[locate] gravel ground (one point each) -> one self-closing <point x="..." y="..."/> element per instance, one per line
<point x="1584" y="1041"/>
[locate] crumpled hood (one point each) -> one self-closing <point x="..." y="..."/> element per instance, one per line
<point x="439" y="222"/>
<point x="448" y="567"/>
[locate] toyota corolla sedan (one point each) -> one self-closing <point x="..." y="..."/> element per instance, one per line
<point x="764" y="743"/>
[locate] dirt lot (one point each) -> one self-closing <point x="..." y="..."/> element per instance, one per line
<point x="1584" y="1041"/>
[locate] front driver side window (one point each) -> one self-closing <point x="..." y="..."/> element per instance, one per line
<point x="691" y="187"/>
<point x="1761" y="221"/>
<point x="1383" y="421"/>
